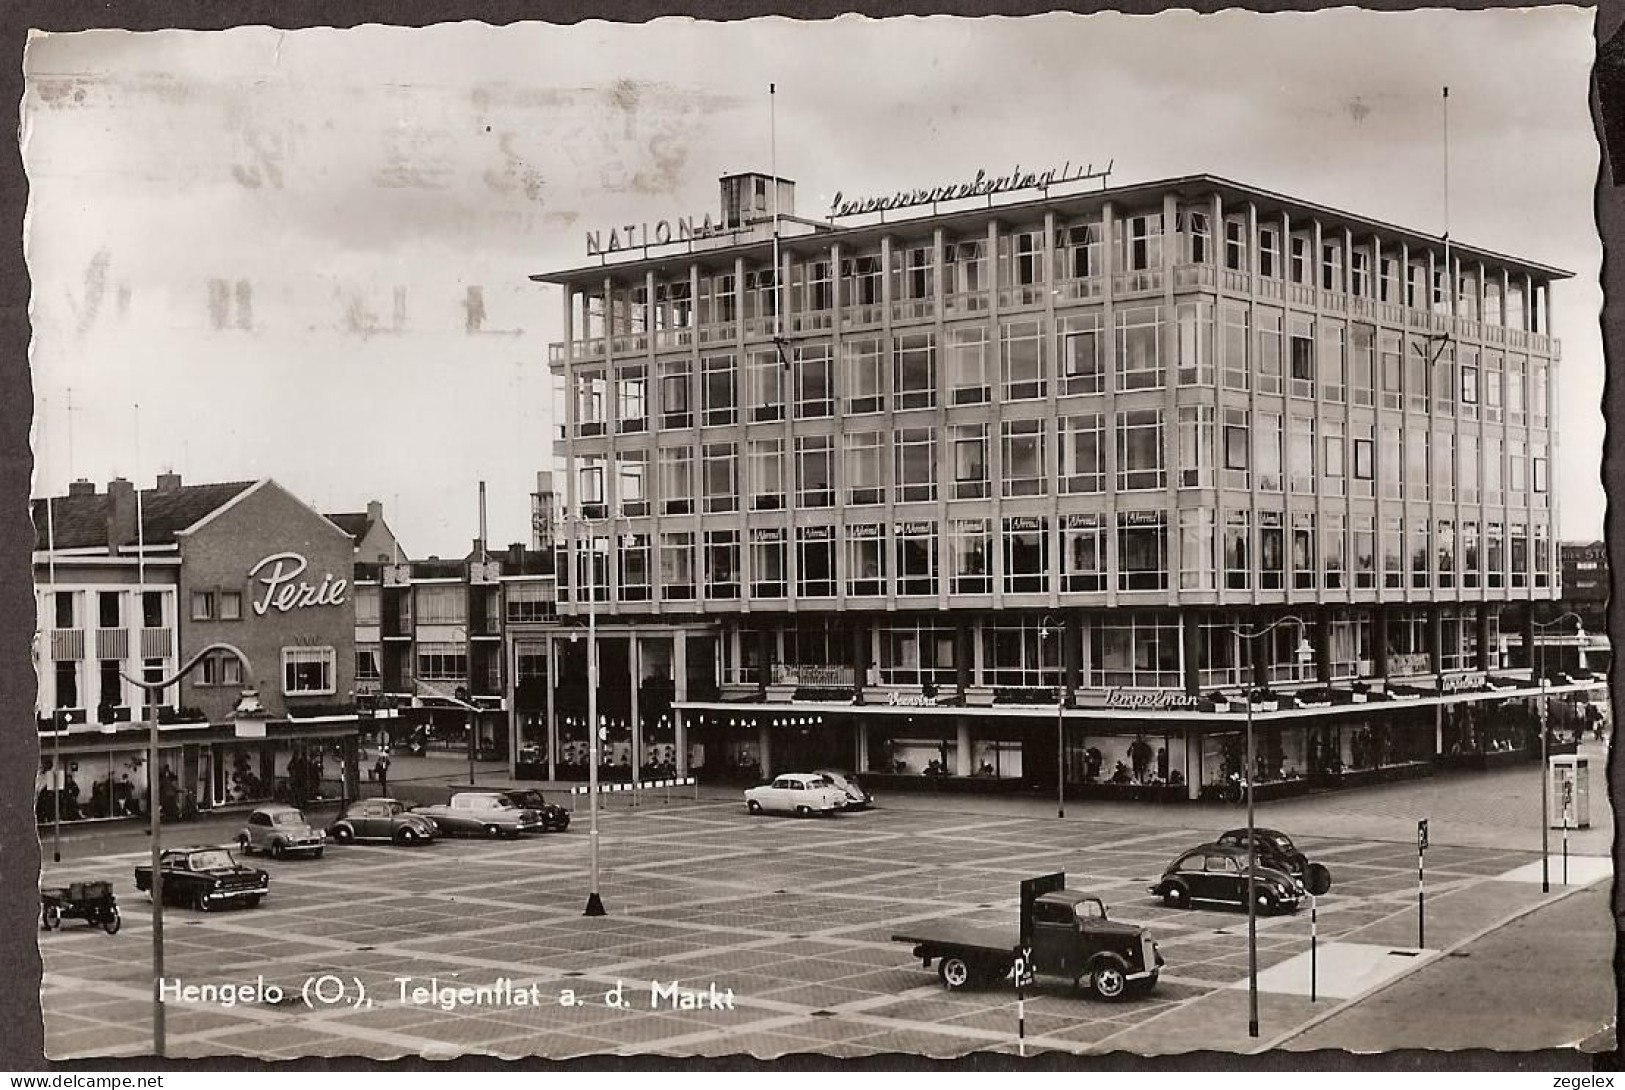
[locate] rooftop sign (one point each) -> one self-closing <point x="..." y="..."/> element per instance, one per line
<point x="983" y="185"/>
<point x="632" y="236"/>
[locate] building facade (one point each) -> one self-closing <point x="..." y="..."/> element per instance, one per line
<point x="135" y="586"/>
<point x="904" y="488"/>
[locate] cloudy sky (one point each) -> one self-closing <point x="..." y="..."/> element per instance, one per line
<point x="304" y="254"/>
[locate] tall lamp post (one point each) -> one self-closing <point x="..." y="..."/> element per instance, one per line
<point x="1305" y="654"/>
<point x="248" y="707"/>
<point x="1545" y="776"/>
<point x="1049" y="626"/>
<point x="595" y="903"/>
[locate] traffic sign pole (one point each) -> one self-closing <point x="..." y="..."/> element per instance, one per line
<point x="1314" y="941"/>
<point x="1421" y="884"/>
<point x="1568" y="803"/>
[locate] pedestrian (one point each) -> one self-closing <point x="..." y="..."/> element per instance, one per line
<point x="381" y="773"/>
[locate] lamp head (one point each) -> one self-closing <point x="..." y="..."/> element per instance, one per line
<point x="1306" y="651"/>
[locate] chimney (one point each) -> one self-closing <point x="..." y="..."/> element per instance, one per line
<point x="82" y="487"/>
<point x="516" y="555"/>
<point x="478" y="551"/>
<point x="121" y="528"/>
<point x="375" y="510"/>
<point x="169" y="482"/>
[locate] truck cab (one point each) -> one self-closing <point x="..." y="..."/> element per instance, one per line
<point x="1070" y="930"/>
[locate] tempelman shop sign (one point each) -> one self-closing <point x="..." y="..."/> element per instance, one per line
<point x="983" y="185"/>
<point x="284" y="589"/>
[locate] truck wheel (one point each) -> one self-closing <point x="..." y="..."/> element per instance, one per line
<point x="111" y="922"/>
<point x="956" y="973"/>
<point x="51" y="917"/>
<point x="1176" y="897"/>
<point x="1108" y="980"/>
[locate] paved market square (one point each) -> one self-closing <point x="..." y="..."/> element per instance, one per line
<point x="789" y="921"/>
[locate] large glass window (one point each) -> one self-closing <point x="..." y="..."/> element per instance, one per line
<point x="632" y="398"/>
<point x="970" y="570"/>
<point x="1083" y="453"/>
<point x="815" y="561"/>
<point x="1018" y="653"/>
<point x="1421" y="558"/>
<point x="1267" y="327"/>
<point x="717" y="400"/>
<point x="1516" y="377"/>
<point x="631" y="478"/>
<point x="1140" y="462"/>
<point x="1142" y="550"/>
<point x="861" y="281"/>
<point x="1334" y="459"/>
<point x="1235" y="450"/>
<point x="676" y="411"/>
<point x="914" y="357"/>
<point x="1026" y="554"/>
<point x="1443" y="454"/>
<point x="1416" y="463"/>
<point x="1391" y="362"/>
<point x="1303" y="356"/>
<point x="1305" y="560"/>
<point x="1443" y="379"/>
<point x="1472" y="562"/>
<point x="1077" y="251"/>
<point x="1024" y="467"/>
<point x="1444" y="544"/>
<point x="1196" y="542"/>
<point x="677" y="565"/>
<point x="1083" y="553"/>
<point x="1238" y="550"/>
<point x="591" y="392"/>
<point x="1362" y="362"/>
<point x="764" y="386"/>
<point x="917" y="654"/>
<point x="676" y="480"/>
<point x="1363" y="539"/>
<point x="1267" y="451"/>
<point x="1082" y="355"/>
<point x="866" y="560"/>
<point x="721" y="478"/>
<point x="1023" y="360"/>
<point x="1271" y="550"/>
<point x="916" y="464"/>
<point x="1269" y="252"/>
<point x="1418" y="376"/>
<point x="1235" y="341"/>
<point x="1494" y="471"/>
<point x="1196" y="461"/>
<point x="767" y="564"/>
<point x="967" y="366"/>
<point x="864" y="482"/>
<point x="1142" y="243"/>
<point x="722" y="563"/>
<point x="865" y="367"/>
<point x="309" y="671"/>
<point x="633" y="573"/>
<point x="815" y="384"/>
<point x="970" y="461"/>
<point x="815" y="473"/>
<point x="916" y="546"/>
<point x="1391" y="462"/>
<point x="965" y="274"/>
<point x="1300" y="456"/>
<point x="1136" y="650"/>
<point x="1334" y="552"/>
<point x="1139" y="352"/>
<point x="1393" y="553"/>
<point x="766" y="474"/>
<point x="1194" y="322"/>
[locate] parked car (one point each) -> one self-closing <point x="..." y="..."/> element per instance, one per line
<point x="1217" y="873"/>
<point x="481" y="813"/>
<point x="799" y="793"/>
<point x="857" y="798"/>
<point x="1275" y="849"/>
<point x="555" y="819"/>
<point x="382" y="819"/>
<point x="205" y="878"/>
<point x="1067" y="932"/>
<point x="280" y="830"/>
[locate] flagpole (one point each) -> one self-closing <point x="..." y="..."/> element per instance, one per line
<point x="773" y="161"/>
<point x="59" y="781"/>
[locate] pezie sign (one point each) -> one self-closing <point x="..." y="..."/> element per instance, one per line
<point x="285" y="590"/>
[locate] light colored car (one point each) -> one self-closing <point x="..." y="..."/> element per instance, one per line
<point x="280" y="830"/>
<point x="482" y="813"/>
<point x="856" y="797"/>
<point x="800" y="793"/>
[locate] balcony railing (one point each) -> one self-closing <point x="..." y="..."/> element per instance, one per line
<point x="718" y="333"/>
<point x="674" y="338"/>
<point x="1192" y="276"/>
<point x="968" y="302"/>
<point x="1137" y="283"/>
<point x="1301" y="294"/>
<point x="913" y="310"/>
<point x="1086" y="288"/>
<point x="630" y="344"/>
<point x="1334" y="301"/>
<point x="112" y="643"/>
<point x="860" y="314"/>
<point x="811" y="321"/>
<point x="67" y="645"/>
<point x="1270" y="288"/>
<point x="1022" y="295"/>
<point x="1234" y="280"/>
<point x="1391" y="313"/>
<point x="157" y="643"/>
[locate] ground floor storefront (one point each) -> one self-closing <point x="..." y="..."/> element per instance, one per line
<point x="97" y="775"/>
<point x="1167" y="748"/>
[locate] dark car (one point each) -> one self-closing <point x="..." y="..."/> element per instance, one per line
<point x="555" y="819"/>
<point x="1217" y="874"/>
<point x="382" y="819"/>
<point x="205" y="878"/>
<point x="1275" y="849"/>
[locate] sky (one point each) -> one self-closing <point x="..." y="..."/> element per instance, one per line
<point x="305" y="254"/>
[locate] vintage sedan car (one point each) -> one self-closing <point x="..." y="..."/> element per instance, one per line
<point x="799" y="793"/>
<point x="857" y="798"/>
<point x="204" y="878"/>
<point x="1217" y="874"/>
<point x="280" y="830"/>
<point x="1275" y="849"/>
<point x="382" y="819"/>
<point x="555" y="819"/>
<point x="481" y="813"/>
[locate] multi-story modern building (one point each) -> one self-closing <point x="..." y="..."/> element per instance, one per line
<point x="873" y="493"/>
<point x="135" y="586"/>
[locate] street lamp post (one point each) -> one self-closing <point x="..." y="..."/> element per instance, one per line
<point x="1048" y="625"/>
<point x="1305" y="653"/>
<point x="595" y="903"/>
<point x="247" y="707"/>
<point x="1545" y="760"/>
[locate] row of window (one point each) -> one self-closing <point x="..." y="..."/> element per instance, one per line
<point x="67" y="608"/>
<point x="1191" y="550"/>
<point x="1075" y="252"/>
<point x="306" y="671"/>
<point x="1193" y="344"/>
<point x="1127" y="648"/>
<point x="1134" y="450"/>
